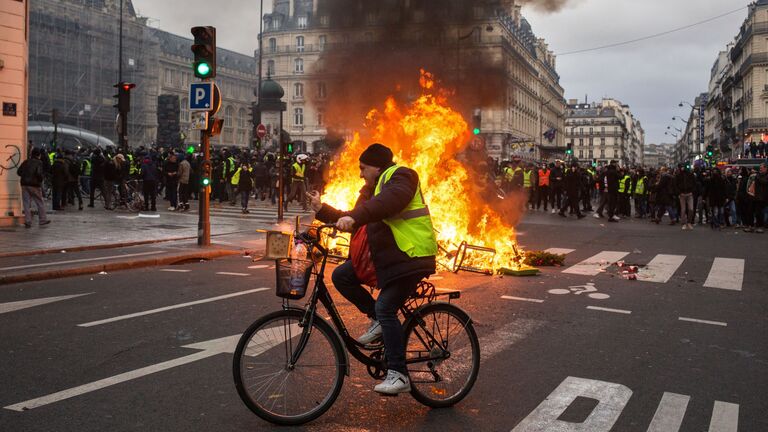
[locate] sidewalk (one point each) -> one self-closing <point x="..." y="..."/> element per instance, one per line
<point x="95" y="240"/>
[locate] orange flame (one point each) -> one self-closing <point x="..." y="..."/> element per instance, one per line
<point x="427" y="135"/>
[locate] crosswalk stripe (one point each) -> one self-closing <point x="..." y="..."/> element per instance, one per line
<point x="559" y="251"/>
<point x="725" y="417"/>
<point x="596" y="264"/>
<point x="726" y="273"/>
<point x="669" y="415"/>
<point x="661" y="268"/>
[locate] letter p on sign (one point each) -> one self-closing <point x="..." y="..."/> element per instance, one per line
<point x="199" y="95"/>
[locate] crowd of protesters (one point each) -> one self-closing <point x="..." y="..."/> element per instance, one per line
<point x="719" y="197"/>
<point x="236" y="175"/>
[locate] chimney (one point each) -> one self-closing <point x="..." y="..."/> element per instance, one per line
<point x="291" y="8"/>
<point x="516" y="15"/>
<point x="314" y="7"/>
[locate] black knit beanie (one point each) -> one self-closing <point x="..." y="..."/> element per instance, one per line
<point x="377" y="155"/>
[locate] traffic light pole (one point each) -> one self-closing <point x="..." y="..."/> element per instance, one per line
<point x="280" y="174"/>
<point x="204" y="220"/>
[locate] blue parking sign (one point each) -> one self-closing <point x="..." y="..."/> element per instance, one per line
<point x="200" y="96"/>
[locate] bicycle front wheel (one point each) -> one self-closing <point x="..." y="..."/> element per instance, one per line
<point x="271" y="386"/>
<point x="442" y="354"/>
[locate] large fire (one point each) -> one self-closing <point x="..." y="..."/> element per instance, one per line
<point x="427" y="135"/>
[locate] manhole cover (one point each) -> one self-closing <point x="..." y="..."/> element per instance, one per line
<point x="171" y="227"/>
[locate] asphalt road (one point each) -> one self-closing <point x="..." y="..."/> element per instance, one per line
<point x="574" y="349"/>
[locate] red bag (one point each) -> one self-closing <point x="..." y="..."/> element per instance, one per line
<point x="362" y="261"/>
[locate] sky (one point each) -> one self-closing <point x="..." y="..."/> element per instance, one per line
<point x="651" y="76"/>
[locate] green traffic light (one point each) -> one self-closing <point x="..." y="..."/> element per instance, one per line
<point x="476" y="131"/>
<point x="206" y="181"/>
<point x="191" y="149"/>
<point x="203" y="69"/>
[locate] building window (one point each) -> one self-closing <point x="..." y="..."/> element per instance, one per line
<point x="581" y="154"/>
<point x="228" y="113"/>
<point x="242" y="118"/>
<point x="298" y="116"/>
<point x="371" y="18"/>
<point x="602" y="142"/>
<point x="302" y="22"/>
<point x="321" y="41"/>
<point x="581" y="142"/>
<point x="590" y="131"/>
<point x="184" y="112"/>
<point x="320" y="115"/>
<point x="298" y="91"/>
<point x="275" y="24"/>
<point x="298" y="65"/>
<point x="590" y="154"/>
<point x="299" y="43"/>
<point x="602" y="153"/>
<point x="602" y="130"/>
<point x="272" y="45"/>
<point x="270" y="67"/>
<point x="321" y="90"/>
<point x="324" y="20"/>
<point x="168" y="77"/>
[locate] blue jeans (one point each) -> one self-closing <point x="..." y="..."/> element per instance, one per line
<point x="391" y="298"/>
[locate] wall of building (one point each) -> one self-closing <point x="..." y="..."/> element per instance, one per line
<point x="14" y="44"/>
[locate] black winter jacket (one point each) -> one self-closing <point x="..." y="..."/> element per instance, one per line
<point x="30" y="172"/>
<point x="391" y="263"/>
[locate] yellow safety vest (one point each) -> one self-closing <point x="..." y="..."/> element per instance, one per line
<point x="623" y="184"/>
<point x="299" y="171"/>
<point x="527" y="178"/>
<point x="640" y="186"/>
<point x="131" y="166"/>
<point x="412" y="228"/>
<point x="87" y="169"/>
<point x="51" y="157"/>
<point x="236" y="176"/>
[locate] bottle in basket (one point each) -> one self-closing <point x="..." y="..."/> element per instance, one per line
<point x="298" y="254"/>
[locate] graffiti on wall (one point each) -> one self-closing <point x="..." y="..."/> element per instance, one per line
<point x="12" y="161"/>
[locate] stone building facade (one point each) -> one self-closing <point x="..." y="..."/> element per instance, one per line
<point x="297" y="33"/>
<point x="74" y="66"/>
<point x="603" y="131"/>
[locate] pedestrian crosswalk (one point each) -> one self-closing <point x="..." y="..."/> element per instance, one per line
<point x="724" y="273"/>
<point x="259" y="213"/>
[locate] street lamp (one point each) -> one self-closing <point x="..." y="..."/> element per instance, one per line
<point x="678" y="118"/>
<point x="673" y="134"/>
<point x="677" y="129"/>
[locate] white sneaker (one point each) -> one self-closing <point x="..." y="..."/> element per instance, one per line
<point x="685" y="227"/>
<point x="394" y="383"/>
<point x="616" y="218"/>
<point x="554" y="211"/>
<point x="373" y="333"/>
<point x="171" y="208"/>
<point x="596" y="216"/>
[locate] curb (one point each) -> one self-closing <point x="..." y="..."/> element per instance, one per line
<point x="108" y="245"/>
<point x="120" y="265"/>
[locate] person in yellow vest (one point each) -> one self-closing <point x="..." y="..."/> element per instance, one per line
<point x="528" y="184"/>
<point x="402" y="244"/>
<point x="625" y="191"/>
<point x="243" y="181"/>
<point x="641" y="194"/>
<point x="299" y="181"/>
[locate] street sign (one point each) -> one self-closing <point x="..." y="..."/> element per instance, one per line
<point x="200" y="96"/>
<point x="261" y="131"/>
<point x="200" y="120"/>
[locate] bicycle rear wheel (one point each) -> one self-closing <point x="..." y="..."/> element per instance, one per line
<point x="442" y="354"/>
<point x="272" y="388"/>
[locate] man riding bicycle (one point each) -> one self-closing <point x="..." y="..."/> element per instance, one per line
<point x="402" y="245"/>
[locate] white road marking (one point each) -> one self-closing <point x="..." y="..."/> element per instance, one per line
<point x="176" y="270"/>
<point x="522" y="299"/>
<point x="612" y="398"/>
<point x="210" y="348"/>
<point x="661" y="268"/>
<point x="726" y="273"/>
<point x="23" y="304"/>
<point x="725" y="417"/>
<point x="559" y="251"/>
<point x="54" y="263"/>
<point x="621" y="311"/>
<point x="596" y="264"/>
<point x="669" y="415"/>
<point x="260" y="266"/>
<point x="719" y="323"/>
<point x="233" y="274"/>
<point x="163" y="309"/>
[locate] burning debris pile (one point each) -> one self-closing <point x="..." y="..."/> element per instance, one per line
<point x="429" y="136"/>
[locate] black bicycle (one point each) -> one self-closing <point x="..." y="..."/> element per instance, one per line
<point x="289" y="365"/>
